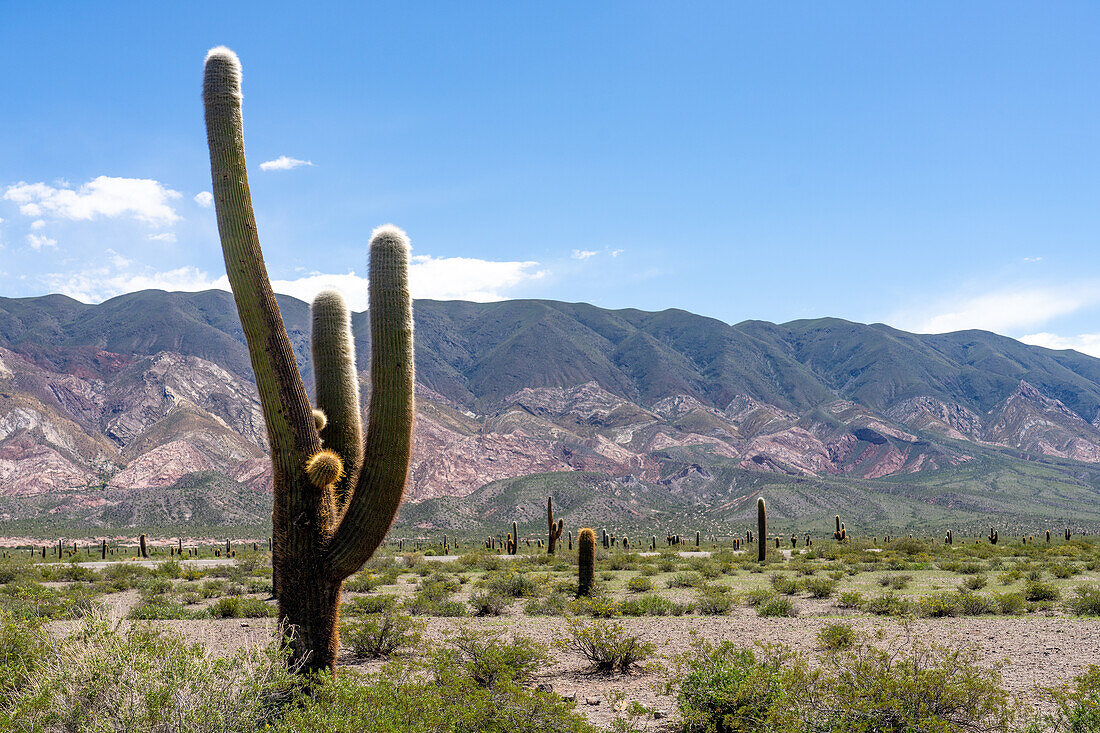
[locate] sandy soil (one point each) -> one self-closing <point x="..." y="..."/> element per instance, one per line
<point x="1038" y="650"/>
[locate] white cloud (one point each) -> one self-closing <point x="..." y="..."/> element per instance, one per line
<point x="163" y="237"/>
<point x="204" y="199"/>
<point x="1086" y="343"/>
<point x="440" y="278"/>
<point x="96" y="284"/>
<point x="140" y="198"/>
<point x="1003" y="311"/>
<point x="467" y="278"/>
<point x="37" y="242"/>
<point x="583" y="254"/>
<point x="617" y="252"/>
<point x="283" y="163"/>
<point x="37" y="224"/>
<point x="1033" y="259"/>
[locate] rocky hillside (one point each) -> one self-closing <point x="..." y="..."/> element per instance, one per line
<point x="141" y="410"/>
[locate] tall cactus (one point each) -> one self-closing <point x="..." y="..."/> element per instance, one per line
<point x="555" y="529"/>
<point x="586" y="561"/>
<point x="761" y="530"/>
<point x="330" y="512"/>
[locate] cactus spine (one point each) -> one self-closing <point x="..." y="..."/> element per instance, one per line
<point x="555" y="529"/>
<point x="761" y="530"/>
<point x="322" y="534"/>
<point x="586" y="561"/>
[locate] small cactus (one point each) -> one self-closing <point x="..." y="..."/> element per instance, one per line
<point x="555" y="529"/>
<point x="761" y="529"/>
<point x="586" y="561"/>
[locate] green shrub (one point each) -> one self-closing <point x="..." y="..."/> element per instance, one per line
<point x="488" y="603"/>
<point x="714" y="600"/>
<point x="555" y="604"/>
<point x="639" y="584"/>
<point x="975" y="582"/>
<point x="652" y="604"/>
<point x="850" y="599"/>
<point x="819" y="587"/>
<point x="1076" y="705"/>
<point x="727" y="689"/>
<point x="685" y="580"/>
<point x="238" y="607"/>
<point x="1037" y="590"/>
<point x="758" y="597"/>
<point x="490" y="660"/>
<point x="101" y="677"/>
<point x="607" y="645"/>
<point x="1009" y="604"/>
<point x="1086" y="601"/>
<point x="836" y="636"/>
<point x="396" y="700"/>
<point x="596" y="607"/>
<point x="163" y="609"/>
<point x="513" y="584"/>
<point x="380" y="635"/>
<point x="368" y="605"/>
<point x="888" y="604"/>
<point x="929" y="689"/>
<point x="896" y="582"/>
<point x="786" y="586"/>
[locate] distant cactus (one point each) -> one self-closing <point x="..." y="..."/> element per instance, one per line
<point x="142" y="546"/>
<point x="586" y="561"/>
<point x="761" y="529"/>
<point x="696" y="538"/>
<point x="514" y="547"/>
<point x="993" y="536"/>
<point x="555" y="529"/>
<point x="626" y="542"/>
<point x="1048" y="536"/>
<point x="1068" y="535"/>
<point x="836" y="535"/>
<point x="948" y="540"/>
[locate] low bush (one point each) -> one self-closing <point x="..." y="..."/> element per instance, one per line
<point x="490" y="660"/>
<point x="607" y="645"/>
<point x="819" y="587"/>
<point x="1037" y="590"/>
<point x="888" y="604"/>
<point x="1086" y="601"/>
<point x="238" y="607"/>
<point x="380" y="635"/>
<point x="836" y="636"/>
<point x="488" y="603"/>
<point x="652" y="604"/>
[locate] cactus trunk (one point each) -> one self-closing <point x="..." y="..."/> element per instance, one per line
<point x="586" y="561"/>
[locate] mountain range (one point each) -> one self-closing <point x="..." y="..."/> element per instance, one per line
<point x="140" y="412"/>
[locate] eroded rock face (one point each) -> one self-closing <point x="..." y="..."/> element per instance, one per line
<point x="148" y="423"/>
<point x="1031" y="421"/>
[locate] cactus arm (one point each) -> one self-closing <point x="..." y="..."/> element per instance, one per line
<point x="290" y="431"/>
<point x="337" y="386"/>
<point x="388" y="446"/>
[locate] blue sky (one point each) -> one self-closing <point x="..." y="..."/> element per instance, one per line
<point x="935" y="166"/>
